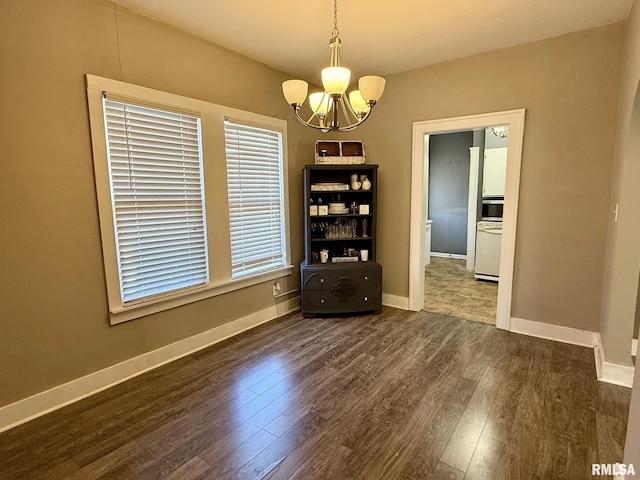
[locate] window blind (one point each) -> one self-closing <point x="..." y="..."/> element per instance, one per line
<point x="255" y="193"/>
<point x="155" y="167"/>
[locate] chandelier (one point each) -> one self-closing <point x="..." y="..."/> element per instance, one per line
<point x="325" y="106"/>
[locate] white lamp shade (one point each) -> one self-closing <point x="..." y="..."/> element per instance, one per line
<point x="336" y="80"/>
<point x="320" y="103"/>
<point x="371" y="87"/>
<point x="295" y="91"/>
<point x="357" y="102"/>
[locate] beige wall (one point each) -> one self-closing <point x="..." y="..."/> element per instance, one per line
<point x="623" y="251"/>
<point x="623" y="248"/>
<point x="569" y="87"/>
<point x="53" y="318"/>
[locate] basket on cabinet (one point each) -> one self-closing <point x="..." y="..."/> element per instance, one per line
<point x="339" y="152"/>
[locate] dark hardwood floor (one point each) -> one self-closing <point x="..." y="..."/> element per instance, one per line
<point x="399" y="395"/>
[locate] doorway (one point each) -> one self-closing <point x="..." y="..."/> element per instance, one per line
<point x="461" y="177"/>
<point x="514" y="119"/>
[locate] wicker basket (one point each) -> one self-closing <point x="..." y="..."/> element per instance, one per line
<point x="339" y="152"/>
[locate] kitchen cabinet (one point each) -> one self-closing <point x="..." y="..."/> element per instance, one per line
<point x="494" y="172"/>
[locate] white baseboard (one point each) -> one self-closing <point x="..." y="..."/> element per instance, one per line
<point x="574" y="336"/>
<point x="284" y="307"/>
<point x="616" y="374"/>
<point x="39" y="404"/>
<point x="628" y="469"/>
<point x="395" y="301"/>
<point x="606" y="371"/>
<point x="449" y="255"/>
<point x="611" y="372"/>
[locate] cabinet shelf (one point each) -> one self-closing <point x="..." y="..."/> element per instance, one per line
<point x="350" y="239"/>
<point x="339" y="192"/>
<point x="339" y="215"/>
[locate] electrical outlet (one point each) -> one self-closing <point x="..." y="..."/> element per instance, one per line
<point x="276" y="289"/>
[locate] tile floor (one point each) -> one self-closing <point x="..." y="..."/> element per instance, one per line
<point x="451" y="290"/>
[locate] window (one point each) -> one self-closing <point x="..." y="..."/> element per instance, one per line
<point x="164" y="172"/>
<point x="255" y="192"/>
<point x="157" y="197"/>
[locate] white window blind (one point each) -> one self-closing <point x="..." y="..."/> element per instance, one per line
<point x="255" y="192"/>
<point x="155" y="167"/>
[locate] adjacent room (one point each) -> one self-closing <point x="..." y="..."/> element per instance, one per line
<point x="465" y="205"/>
<point x="331" y="239"/>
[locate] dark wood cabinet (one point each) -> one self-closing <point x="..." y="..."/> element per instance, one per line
<point x="339" y="273"/>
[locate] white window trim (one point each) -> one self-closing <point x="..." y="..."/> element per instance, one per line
<point x="214" y="157"/>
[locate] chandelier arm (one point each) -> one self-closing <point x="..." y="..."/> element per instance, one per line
<point x="357" y="117"/>
<point x="353" y="126"/>
<point x="335" y="123"/>
<point x="309" y="124"/>
<point x="343" y="103"/>
<point x="320" y="120"/>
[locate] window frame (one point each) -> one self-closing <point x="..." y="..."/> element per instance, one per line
<point x="215" y="193"/>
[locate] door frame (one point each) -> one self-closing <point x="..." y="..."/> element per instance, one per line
<point x="515" y="120"/>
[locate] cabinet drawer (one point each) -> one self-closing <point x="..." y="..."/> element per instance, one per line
<point x="325" y="302"/>
<point x="326" y="279"/>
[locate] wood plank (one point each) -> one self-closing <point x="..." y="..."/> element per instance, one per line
<point x="194" y="469"/>
<point x="488" y="460"/>
<point x="446" y="472"/>
<point x="406" y="395"/>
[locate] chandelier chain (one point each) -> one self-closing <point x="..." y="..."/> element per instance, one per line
<point x="335" y="31"/>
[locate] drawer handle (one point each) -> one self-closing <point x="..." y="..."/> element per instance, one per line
<point x="322" y="300"/>
<point x="322" y="280"/>
<point x="366" y="299"/>
<point x="366" y="278"/>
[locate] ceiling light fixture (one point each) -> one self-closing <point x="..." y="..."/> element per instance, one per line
<point x="501" y="131"/>
<point x="335" y="80"/>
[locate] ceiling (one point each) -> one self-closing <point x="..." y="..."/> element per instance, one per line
<point x="378" y="37"/>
